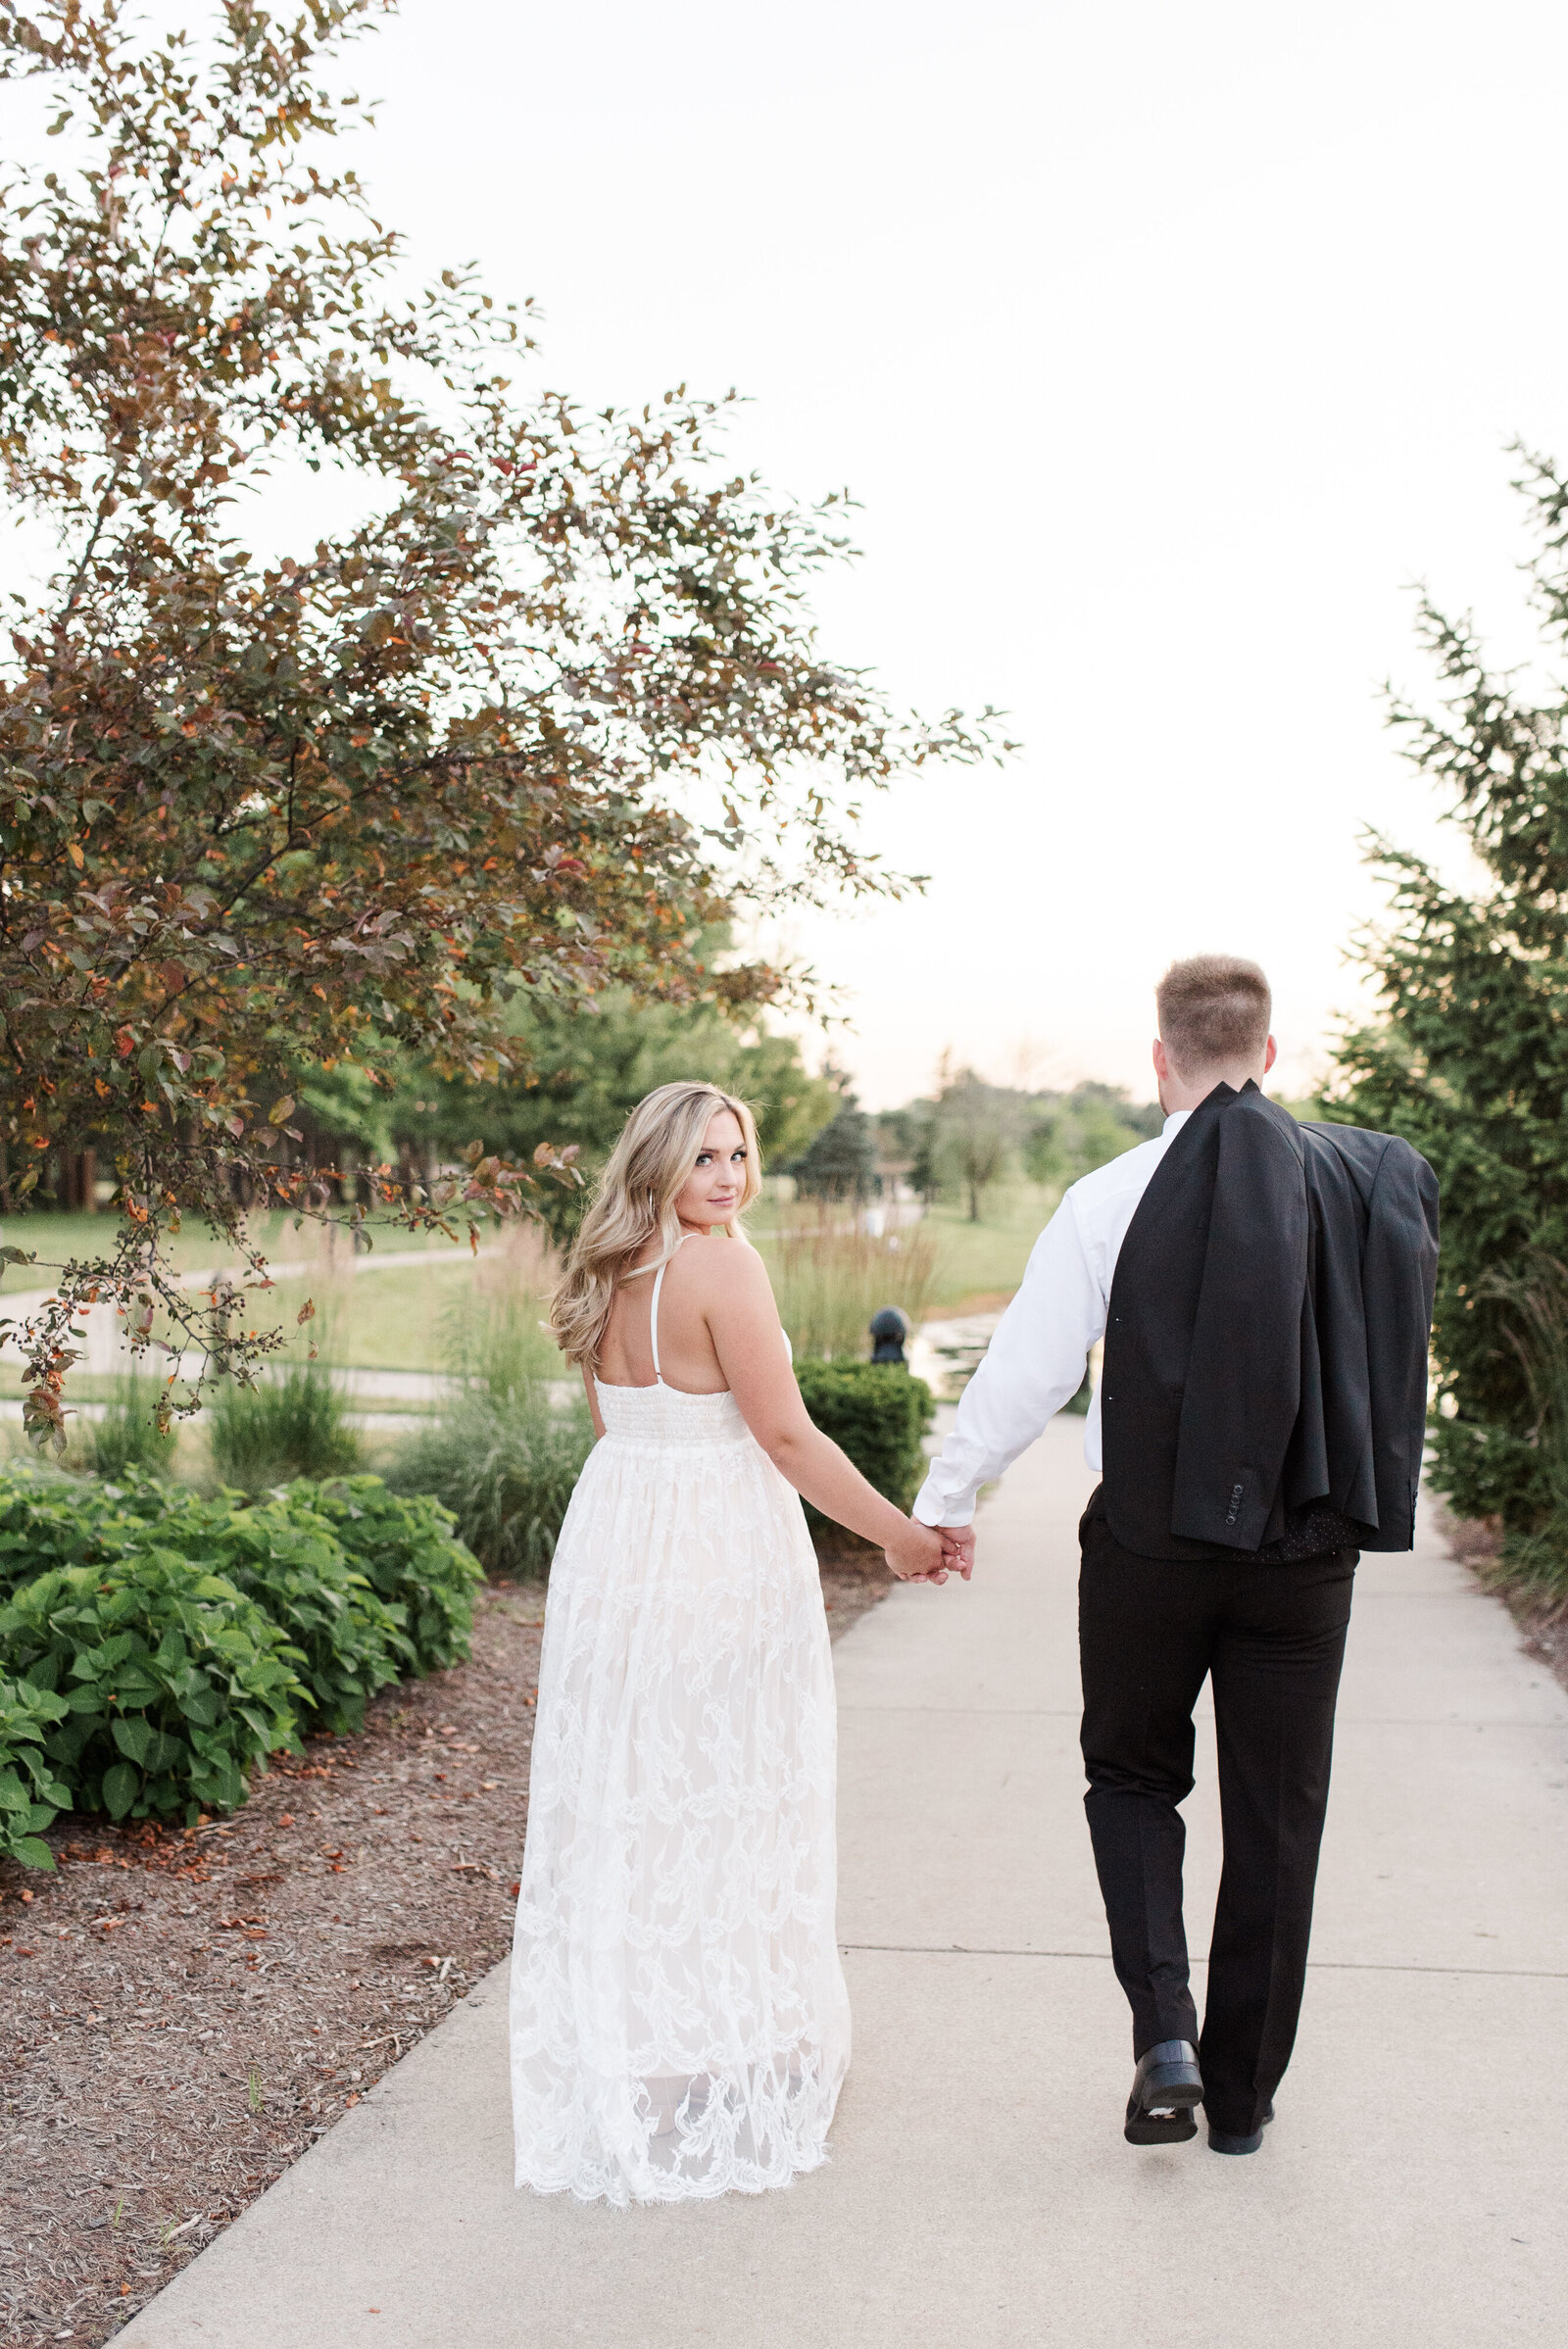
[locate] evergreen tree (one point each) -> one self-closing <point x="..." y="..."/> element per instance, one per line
<point x="841" y="1163"/>
<point x="1470" y="1058"/>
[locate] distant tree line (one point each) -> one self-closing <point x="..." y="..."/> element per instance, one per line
<point x="969" y="1135"/>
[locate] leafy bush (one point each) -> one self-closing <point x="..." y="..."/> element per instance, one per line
<point x="405" y="1548"/>
<point x="290" y="1561"/>
<point x="32" y="1797"/>
<point x="505" y="1469"/>
<point x="293" y="1426"/>
<point x="877" y="1413"/>
<point x="49" y="1519"/>
<point x="173" y="1684"/>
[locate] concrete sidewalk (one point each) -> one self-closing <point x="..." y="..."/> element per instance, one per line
<point x="1410" y="2194"/>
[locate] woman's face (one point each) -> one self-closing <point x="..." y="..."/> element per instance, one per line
<point x="711" y="1191"/>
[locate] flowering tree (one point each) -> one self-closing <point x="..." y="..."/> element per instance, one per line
<point x="332" y="808"/>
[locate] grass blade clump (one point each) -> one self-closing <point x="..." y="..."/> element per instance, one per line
<point x="126" y="1437"/>
<point x="286" y="1427"/>
<point x="830" y="1275"/>
<point x="504" y="1456"/>
<point x="505" y="1472"/>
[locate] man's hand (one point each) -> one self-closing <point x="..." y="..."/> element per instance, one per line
<point x="958" y="1548"/>
<point x="918" y="1555"/>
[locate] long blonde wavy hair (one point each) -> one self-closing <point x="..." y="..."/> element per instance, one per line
<point x="634" y="1202"/>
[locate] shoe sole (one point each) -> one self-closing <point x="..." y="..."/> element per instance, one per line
<point x="1158" y="2129"/>
<point x="1220" y="2143"/>
<point x="1164" y="2116"/>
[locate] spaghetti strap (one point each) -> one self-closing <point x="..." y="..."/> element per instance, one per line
<point x="652" y="1311"/>
<point x="653" y="1319"/>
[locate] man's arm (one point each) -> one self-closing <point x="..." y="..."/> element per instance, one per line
<point x="1034" y="1364"/>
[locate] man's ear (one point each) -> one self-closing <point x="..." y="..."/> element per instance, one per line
<point x="1161" y="1064"/>
<point x="1271" y="1054"/>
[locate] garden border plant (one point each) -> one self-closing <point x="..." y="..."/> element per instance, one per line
<point x="171" y="1640"/>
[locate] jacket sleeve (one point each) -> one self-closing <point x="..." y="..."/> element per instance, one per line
<point x="1244" y="1373"/>
<point x="1399" y="1281"/>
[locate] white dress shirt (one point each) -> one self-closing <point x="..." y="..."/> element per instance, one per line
<point x="1035" y="1363"/>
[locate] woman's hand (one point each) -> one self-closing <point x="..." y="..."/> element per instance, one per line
<point x="917" y="1553"/>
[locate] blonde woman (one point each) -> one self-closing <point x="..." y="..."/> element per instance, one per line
<point x="679" y="2020"/>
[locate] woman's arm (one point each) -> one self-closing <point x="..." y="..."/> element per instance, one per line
<point x="737" y="1300"/>
<point x="592" y="1393"/>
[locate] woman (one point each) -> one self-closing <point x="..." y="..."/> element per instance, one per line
<point x="679" y="2020"/>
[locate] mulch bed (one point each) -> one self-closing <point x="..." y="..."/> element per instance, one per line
<point x="184" y="2011"/>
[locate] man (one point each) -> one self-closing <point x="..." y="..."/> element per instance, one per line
<point x="1264" y="1291"/>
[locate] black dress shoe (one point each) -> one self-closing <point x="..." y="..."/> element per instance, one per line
<point x="1223" y="2140"/>
<point x="1166" y="2086"/>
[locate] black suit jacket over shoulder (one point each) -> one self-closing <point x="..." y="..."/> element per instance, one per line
<point x="1266" y="1338"/>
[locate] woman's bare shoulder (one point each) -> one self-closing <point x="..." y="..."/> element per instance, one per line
<point x="722" y="1267"/>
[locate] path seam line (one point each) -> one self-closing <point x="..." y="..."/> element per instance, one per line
<point x="1316" y="1965"/>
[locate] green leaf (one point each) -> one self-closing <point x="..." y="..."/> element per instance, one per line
<point x="135" y="1737"/>
<point x="32" y="1852"/>
<point x="120" y="1785"/>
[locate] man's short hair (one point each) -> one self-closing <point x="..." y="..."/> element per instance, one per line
<point x="1213" y="1010"/>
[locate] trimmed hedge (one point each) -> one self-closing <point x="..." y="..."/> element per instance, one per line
<point x="877" y="1413"/>
<point x="173" y="1684"/>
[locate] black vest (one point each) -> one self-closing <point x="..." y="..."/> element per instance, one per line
<point x="1265" y="1369"/>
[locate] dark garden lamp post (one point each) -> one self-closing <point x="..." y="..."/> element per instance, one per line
<point x="889" y="1330"/>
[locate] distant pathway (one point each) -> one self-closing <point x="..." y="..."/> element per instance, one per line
<point x="1409" y="2196"/>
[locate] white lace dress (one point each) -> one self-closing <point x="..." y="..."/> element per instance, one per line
<point x="680" y="2026"/>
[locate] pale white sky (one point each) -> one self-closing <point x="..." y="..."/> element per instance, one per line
<point x="1165" y="349"/>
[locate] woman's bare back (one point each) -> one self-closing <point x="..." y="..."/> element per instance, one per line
<point x="687" y="1357"/>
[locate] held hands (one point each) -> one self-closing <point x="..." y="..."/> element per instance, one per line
<point x="925" y="1554"/>
<point x="958" y="1548"/>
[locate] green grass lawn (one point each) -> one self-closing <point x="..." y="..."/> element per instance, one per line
<point x="987" y="1259"/>
<point x="54" y="1239"/>
<point x="399" y="1319"/>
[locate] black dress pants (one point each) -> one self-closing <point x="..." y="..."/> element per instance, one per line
<point x="1271" y="1638"/>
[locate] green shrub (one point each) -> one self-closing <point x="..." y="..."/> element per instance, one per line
<point x="32" y="1797"/>
<point x="290" y="1561"/>
<point x="877" y="1413"/>
<point x="291" y="1426"/>
<point x="505" y="1469"/>
<point x="174" y="1685"/>
<point x="49" y="1519"/>
<point x="405" y="1548"/>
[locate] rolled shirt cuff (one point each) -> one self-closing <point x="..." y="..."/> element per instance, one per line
<point x="932" y="1508"/>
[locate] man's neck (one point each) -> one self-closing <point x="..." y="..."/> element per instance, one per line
<point x="1188" y="1092"/>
